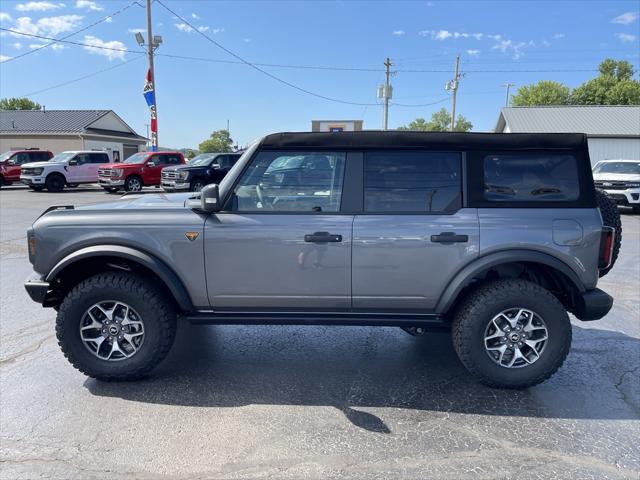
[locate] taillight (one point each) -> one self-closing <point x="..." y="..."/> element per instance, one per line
<point x="607" y="240"/>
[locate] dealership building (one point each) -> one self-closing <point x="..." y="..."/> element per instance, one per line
<point x="613" y="131"/>
<point x="61" y="130"/>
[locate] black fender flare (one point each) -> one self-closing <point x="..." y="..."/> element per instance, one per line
<point x="464" y="276"/>
<point x="166" y="274"/>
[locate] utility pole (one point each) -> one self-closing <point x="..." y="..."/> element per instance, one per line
<point x="454" y="87"/>
<point x="508" y="85"/>
<point x="153" y="42"/>
<point x="387" y="94"/>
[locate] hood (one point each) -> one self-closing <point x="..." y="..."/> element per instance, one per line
<point x="616" y="177"/>
<point x="185" y="166"/>
<point x="122" y="165"/>
<point x="41" y="164"/>
<point x="142" y="202"/>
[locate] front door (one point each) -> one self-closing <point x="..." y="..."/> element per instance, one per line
<point x="281" y="242"/>
<point x="81" y="171"/>
<point x="413" y="235"/>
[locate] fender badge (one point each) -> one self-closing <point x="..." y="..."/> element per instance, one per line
<point x="191" y="235"/>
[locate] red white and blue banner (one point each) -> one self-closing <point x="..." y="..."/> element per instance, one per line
<point x="150" y="96"/>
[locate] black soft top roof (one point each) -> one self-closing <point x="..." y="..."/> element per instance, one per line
<point x="411" y="139"/>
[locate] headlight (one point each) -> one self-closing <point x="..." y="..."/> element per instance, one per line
<point x="183" y="175"/>
<point x="36" y="171"/>
<point x="117" y="172"/>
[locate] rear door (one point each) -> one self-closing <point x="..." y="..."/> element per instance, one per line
<point x="413" y="234"/>
<point x="96" y="160"/>
<point x="282" y="242"/>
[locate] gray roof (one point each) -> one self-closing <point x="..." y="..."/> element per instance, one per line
<point x="596" y="120"/>
<point x="57" y="122"/>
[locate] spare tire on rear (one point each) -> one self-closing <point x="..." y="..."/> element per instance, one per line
<point x="610" y="218"/>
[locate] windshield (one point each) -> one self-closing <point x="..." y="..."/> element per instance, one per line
<point x="201" y="160"/>
<point x="5" y="156"/>
<point x="63" y="157"/>
<point x="629" y="168"/>
<point x="139" y="157"/>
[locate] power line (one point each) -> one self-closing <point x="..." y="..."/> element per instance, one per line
<point x="58" y="40"/>
<point x="83" y="77"/>
<point x="256" y="67"/>
<point x="421" y="104"/>
<point x="70" y="42"/>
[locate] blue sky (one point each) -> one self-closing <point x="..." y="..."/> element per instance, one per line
<point x="495" y="40"/>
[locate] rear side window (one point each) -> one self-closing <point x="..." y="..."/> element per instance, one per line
<point x="99" y="158"/>
<point x="531" y="177"/>
<point x="171" y="159"/>
<point x="412" y="182"/>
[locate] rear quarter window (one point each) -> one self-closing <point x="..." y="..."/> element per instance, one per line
<point x="530" y="177"/>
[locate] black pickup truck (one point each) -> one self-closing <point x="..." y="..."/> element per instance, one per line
<point x="201" y="170"/>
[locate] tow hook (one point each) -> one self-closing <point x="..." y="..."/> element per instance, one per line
<point x="414" y="331"/>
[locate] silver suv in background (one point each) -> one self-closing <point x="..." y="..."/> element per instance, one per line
<point x="493" y="237"/>
<point x="621" y="180"/>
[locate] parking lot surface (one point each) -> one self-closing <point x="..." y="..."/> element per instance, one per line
<point x="310" y="402"/>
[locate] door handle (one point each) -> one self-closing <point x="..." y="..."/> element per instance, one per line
<point x="322" y="237"/>
<point x="449" y="237"/>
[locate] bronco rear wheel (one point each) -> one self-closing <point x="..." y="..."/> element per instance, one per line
<point x="116" y="326"/>
<point x="610" y="218"/>
<point x="511" y="333"/>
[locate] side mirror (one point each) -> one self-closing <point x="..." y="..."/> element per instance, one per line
<point x="151" y="164"/>
<point x="11" y="162"/>
<point x="73" y="162"/>
<point x="210" y="198"/>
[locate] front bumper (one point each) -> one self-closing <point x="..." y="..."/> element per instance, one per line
<point x="170" y="185"/>
<point x="593" y="305"/>
<point x="32" y="180"/>
<point x="111" y="182"/>
<point x="631" y="196"/>
<point x="37" y="288"/>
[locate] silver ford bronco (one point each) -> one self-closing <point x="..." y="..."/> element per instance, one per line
<point x="494" y="237"/>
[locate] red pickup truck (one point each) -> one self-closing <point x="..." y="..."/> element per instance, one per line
<point x="11" y="161"/>
<point x="139" y="170"/>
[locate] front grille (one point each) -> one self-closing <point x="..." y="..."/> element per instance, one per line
<point x="611" y="185"/>
<point x="106" y="172"/>
<point x="169" y="175"/>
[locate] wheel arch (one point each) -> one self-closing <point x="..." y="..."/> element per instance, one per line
<point x="541" y="268"/>
<point x="89" y="260"/>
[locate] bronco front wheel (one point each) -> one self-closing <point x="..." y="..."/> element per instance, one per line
<point x="116" y="326"/>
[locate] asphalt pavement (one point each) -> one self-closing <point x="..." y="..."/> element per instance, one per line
<point x="245" y="402"/>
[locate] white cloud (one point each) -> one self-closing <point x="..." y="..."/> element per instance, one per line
<point x="218" y="30"/>
<point x="625" y="37"/>
<point x="398" y="33"/>
<point x="442" y="34"/>
<point x="4" y="58"/>
<point x="108" y="19"/>
<point x="509" y="46"/>
<point x="473" y="53"/>
<point x="5" y="17"/>
<point x="445" y="34"/>
<point x="194" y="15"/>
<point x="137" y="30"/>
<point x="246" y="40"/>
<point x="89" y="5"/>
<point x="110" y="54"/>
<point x="183" y="27"/>
<point x="545" y="43"/>
<point x="626" y="18"/>
<point x="17" y="45"/>
<point x="55" y="25"/>
<point x="558" y="36"/>
<point x="203" y="29"/>
<point x="56" y="47"/>
<point x="37" y="6"/>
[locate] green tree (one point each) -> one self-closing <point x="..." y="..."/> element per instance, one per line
<point x="613" y="86"/>
<point x="19" y="104"/>
<point x="219" y="141"/>
<point x="544" y="92"/>
<point x="440" y="122"/>
<point x="190" y="153"/>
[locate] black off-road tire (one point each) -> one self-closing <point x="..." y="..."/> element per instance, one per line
<point x="55" y="182"/>
<point x="485" y="302"/>
<point x="145" y="297"/>
<point x="610" y="218"/>
<point x="130" y="184"/>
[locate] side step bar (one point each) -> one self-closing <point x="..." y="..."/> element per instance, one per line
<point x="430" y="322"/>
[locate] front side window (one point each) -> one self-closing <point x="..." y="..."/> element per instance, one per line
<point x="407" y="182"/>
<point x="291" y="182"/>
<point x="82" y="158"/>
<point x="531" y="177"/>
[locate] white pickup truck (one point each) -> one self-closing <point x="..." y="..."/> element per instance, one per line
<point x="65" y="169"/>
